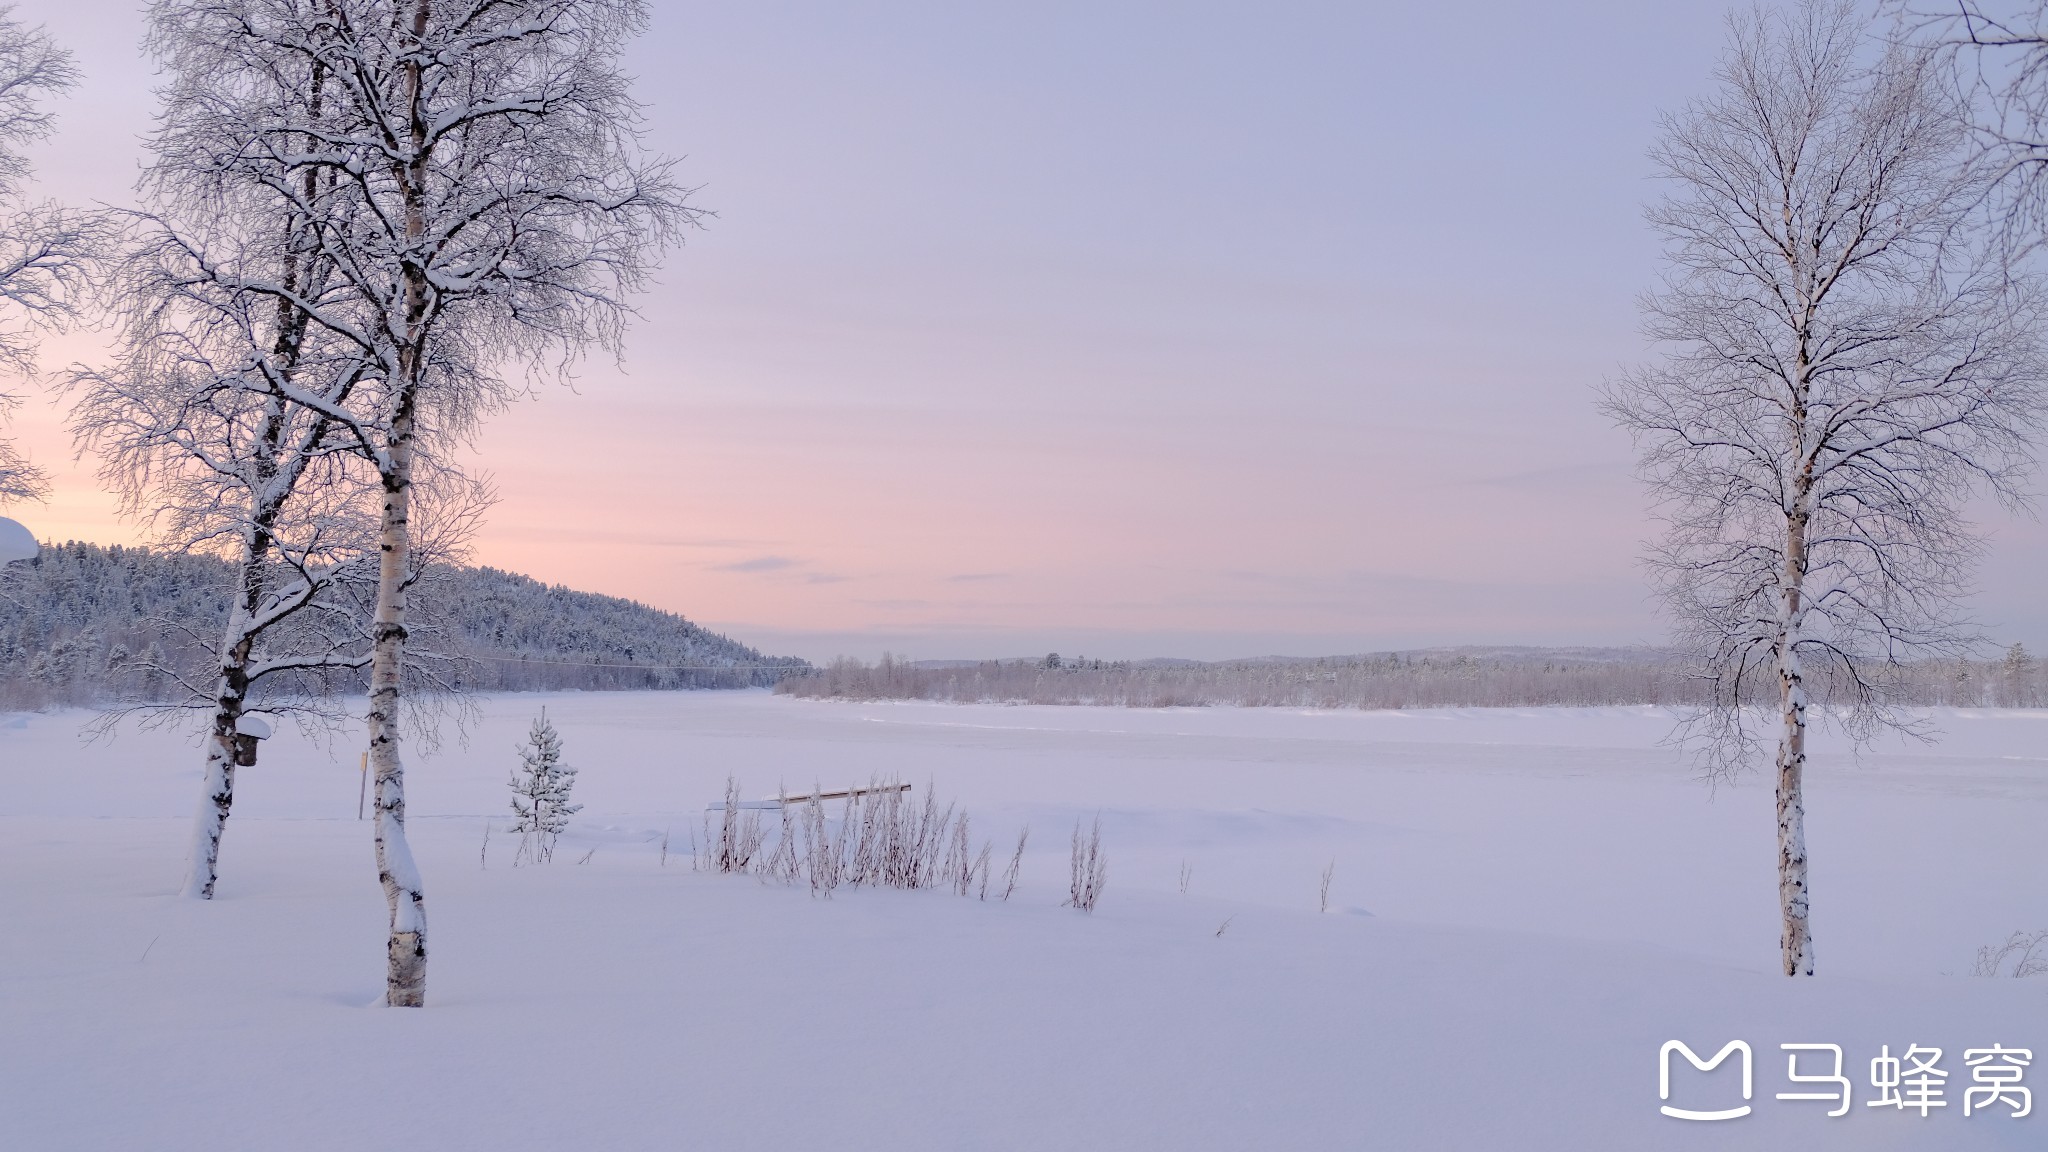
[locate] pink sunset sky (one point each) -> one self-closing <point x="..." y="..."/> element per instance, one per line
<point x="1121" y="329"/>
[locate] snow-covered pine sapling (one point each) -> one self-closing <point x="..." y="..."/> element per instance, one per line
<point x="540" y="793"/>
<point x="1089" y="870"/>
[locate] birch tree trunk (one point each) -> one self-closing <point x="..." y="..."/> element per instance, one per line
<point x="202" y="868"/>
<point x="267" y="497"/>
<point x="1796" y="932"/>
<point x="202" y="862"/>
<point x="406" y="971"/>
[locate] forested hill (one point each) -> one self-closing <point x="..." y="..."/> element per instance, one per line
<point x="504" y="616"/>
<point x="75" y="618"/>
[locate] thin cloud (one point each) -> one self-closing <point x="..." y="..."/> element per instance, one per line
<point x="757" y="564"/>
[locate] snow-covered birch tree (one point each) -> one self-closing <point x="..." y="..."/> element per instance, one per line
<point x="479" y="186"/>
<point x="216" y="424"/>
<point x="45" y="250"/>
<point x="1846" y="360"/>
<point x="215" y="462"/>
<point x="194" y="429"/>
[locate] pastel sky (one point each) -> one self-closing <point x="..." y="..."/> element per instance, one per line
<point x="1126" y="329"/>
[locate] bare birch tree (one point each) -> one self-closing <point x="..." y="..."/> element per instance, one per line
<point x="193" y="429"/>
<point x="478" y="186"/>
<point x="1847" y="359"/>
<point x="45" y="250"/>
<point x="202" y="425"/>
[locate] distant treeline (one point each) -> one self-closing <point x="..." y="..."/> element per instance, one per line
<point x="1436" y="678"/>
<point x="81" y="623"/>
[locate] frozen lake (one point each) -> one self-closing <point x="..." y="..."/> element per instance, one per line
<point x="1524" y="906"/>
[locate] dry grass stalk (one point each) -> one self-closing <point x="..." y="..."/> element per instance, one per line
<point x="739" y="834"/>
<point x="2020" y="956"/>
<point x="884" y="838"/>
<point x="1016" y="862"/>
<point x="1089" y="870"/>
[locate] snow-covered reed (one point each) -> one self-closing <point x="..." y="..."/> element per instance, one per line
<point x="881" y="838"/>
<point x="1089" y="871"/>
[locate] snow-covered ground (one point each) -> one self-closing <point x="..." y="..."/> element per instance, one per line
<point x="1525" y="906"/>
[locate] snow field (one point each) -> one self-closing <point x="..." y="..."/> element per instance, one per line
<point x="1549" y="896"/>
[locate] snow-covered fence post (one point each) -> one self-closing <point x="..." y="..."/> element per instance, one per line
<point x="1850" y="355"/>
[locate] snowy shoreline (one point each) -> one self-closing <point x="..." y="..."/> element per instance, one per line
<point x="1550" y="899"/>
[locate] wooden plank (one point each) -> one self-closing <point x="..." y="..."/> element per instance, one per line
<point x="777" y="802"/>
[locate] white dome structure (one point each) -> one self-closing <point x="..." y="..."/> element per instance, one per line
<point x="16" y="542"/>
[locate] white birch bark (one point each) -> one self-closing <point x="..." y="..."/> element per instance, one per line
<point x="1796" y="929"/>
<point x="218" y="781"/>
<point x="404" y="895"/>
<point x="406" y="971"/>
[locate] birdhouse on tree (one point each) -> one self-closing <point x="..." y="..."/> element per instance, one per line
<point x="248" y="730"/>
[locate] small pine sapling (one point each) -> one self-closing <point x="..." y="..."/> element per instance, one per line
<point x="540" y="793"/>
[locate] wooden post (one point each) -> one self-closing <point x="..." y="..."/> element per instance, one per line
<point x="363" y="789"/>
